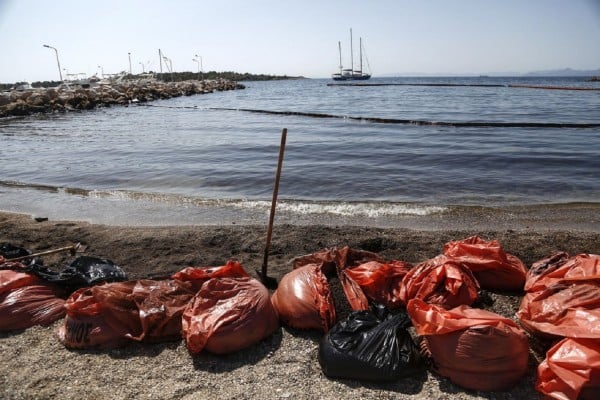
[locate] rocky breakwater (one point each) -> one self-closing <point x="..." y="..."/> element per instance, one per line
<point x="70" y="97"/>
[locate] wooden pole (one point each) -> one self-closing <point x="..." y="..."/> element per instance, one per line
<point x="72" y="249"/>
<point x="264" y="276"/>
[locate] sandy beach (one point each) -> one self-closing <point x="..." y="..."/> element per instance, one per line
<point x="33" y="364"/>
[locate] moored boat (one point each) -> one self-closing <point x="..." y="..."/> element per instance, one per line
<point x="350" y="74"/>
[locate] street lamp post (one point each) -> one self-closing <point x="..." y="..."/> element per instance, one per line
<point x="160" y="60"/>
<point x="169" y="64"/>
<point x="143" y="68"/>
<point x="197" y="62"/>
<point x="57" y="61"/>
<point x="201" y="70"/>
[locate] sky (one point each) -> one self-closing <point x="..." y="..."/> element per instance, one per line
<point x="296" y="37"/>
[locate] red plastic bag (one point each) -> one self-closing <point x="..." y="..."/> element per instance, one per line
<point x="379" y="282"/>
<point x="198" y="275"/>
<point x="11" y="279"/>
<point x="440" y="280"/>
<point x="476" y="349"/>
<point x="564" y="310"/>
<point x="560" y="267"/>
<point x="492" y="266"/>
<point x="27" y="306"/>
<point x="334" y="258"/>
<point x="303" y="299"/>
<point x="227" y="315"/>
<point x="25" y="300"/>
<point x="563" y="297"/>
<point x="571" y="370"/>
<point x="110" y="315"/>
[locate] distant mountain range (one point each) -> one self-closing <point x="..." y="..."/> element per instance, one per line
<point x="550" y="72"/>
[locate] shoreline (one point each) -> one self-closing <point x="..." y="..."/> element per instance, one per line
<point x="148" y="210"/>
<point x="284" y="365"/>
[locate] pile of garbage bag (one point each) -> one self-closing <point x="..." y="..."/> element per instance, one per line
<point x="404" y="318"/>
<point x="31" y="294"/>
<point x="111" y="315"/>
<point x="220" y="309"/>
<point x="562" y="302"/>
<point x="474" y="348"/>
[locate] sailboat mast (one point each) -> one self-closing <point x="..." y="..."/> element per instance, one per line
<point x="351" y="53"/>
<point x="340" y="47"/>
<point x="360" y="42"/>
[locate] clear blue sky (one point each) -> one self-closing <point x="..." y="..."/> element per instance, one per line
<point x="297" y="37"/>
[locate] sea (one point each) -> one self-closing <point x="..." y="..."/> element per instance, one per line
<point x="397" y="148"/>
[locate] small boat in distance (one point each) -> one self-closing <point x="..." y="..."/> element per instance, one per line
<point x="350" y="74"/>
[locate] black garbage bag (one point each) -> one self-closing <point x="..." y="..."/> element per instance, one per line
<point x="83" y="271"/>
<point x="8" y="251"/>
<point x="370" y="345"/>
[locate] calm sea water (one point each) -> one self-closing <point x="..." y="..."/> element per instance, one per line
<point x="201" y="158"/>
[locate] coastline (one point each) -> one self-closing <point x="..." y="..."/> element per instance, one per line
<point x="282" y="366"/>
<point x="121" y="208"/>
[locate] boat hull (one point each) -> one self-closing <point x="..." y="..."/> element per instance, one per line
<point x="354" y="77"/>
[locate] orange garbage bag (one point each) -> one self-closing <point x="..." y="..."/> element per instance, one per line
<point x="11" y="279"/>
<point x="571" y="370"/>
<point x="492" y="266"/>
<point x="440" y="280"/>
<point x="334" y="258"/>
<point x="560" y="267"/>
<point x="303" y="299"/>
<point x="25" y="300"/>
<point x="27" y="306"/>
<point x="563" y="310"/>
<point x="379" y="282"/>
<point x="474" y="348"/>
<point x="227" y="315"/>
<point x="563" y="297"/>
<point x="113" y="314"/>
<point x="198" y="275"/>
<point x="335" y="261"/>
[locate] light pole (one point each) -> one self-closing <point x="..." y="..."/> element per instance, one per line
<point x="129" y="54"/>
<point x="197" y="62"/>
<point x="58" y="62"/>
<point x="143" y="69"/>
<point x="201" y="70"/>
<point x="169" y="65"/>
<point x="101" y="69"/>
<point x="160" y="60"/>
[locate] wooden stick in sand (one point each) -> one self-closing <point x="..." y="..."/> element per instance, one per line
<point x="270" y="282"/>
<point x="73" y="249"/>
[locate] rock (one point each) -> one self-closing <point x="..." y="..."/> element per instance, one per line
<point x="65" y="98"/>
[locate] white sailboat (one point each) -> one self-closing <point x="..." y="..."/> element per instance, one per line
<point x="350" y="74"/>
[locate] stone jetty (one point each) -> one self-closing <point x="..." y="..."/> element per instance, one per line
<point x="71" y="97"/>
